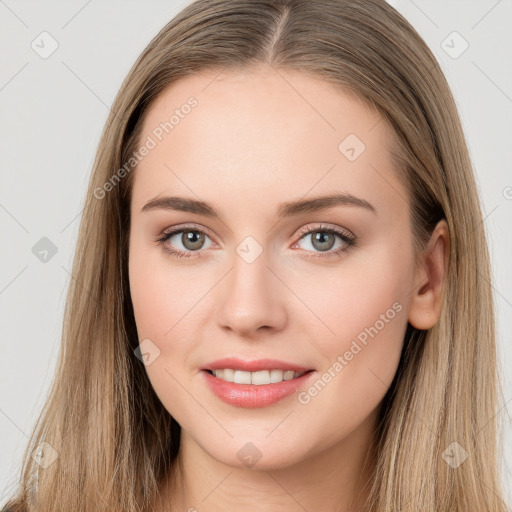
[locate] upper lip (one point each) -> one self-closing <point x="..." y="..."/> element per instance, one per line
<point x="254" y="365"/>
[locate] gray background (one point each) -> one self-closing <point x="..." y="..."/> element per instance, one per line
<point x="52" y="111"/>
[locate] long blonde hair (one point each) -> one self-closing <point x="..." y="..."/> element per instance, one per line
<point x="114" y="439"/>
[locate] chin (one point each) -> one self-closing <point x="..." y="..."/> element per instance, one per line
<point x="257" y="454"/>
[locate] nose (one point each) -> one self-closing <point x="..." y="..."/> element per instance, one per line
<point x="252" y="298"/>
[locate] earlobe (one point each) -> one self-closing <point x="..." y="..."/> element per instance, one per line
<point x="425" y="306"/>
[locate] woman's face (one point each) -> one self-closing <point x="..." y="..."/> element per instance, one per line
<point x="280" y="274"/>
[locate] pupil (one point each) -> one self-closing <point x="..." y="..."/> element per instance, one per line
<point x="326" y="240"/>
<point x="192" y="240"/>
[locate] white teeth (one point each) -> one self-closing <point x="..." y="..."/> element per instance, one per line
<point x="276" y="375"/>
<point x="242" y="377"/>
<point x="228" y="375"/>
<point x="257" y="378"/>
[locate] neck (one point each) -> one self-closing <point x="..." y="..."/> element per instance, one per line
<point x="332" y="480"/>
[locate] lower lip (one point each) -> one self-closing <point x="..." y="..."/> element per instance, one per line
<point x="251" y="396"/>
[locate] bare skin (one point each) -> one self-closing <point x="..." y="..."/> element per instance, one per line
<point x="253" y="142"/>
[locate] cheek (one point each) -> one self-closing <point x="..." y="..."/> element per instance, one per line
<point x="169" y="312"/>
<point x="162" y="297"/>
<point x="162" y="317"/>
<point x="366" y="309"/>
<point x="357" y="374"/>
<point x="365" y="296"/>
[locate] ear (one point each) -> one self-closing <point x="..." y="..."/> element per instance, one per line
<point x="430" y="277"/>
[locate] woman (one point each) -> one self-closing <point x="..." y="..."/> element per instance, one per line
<point x="283" y="298"/>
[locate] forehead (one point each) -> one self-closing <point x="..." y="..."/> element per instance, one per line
<point x="262" y="130"/>
<point x="262" y="96"/>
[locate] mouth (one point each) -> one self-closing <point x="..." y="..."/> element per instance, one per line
<point x="253" y="384"/>
<point x="257" y="378"/>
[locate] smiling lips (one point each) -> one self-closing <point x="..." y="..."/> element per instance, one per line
<point x="253" y="384"/>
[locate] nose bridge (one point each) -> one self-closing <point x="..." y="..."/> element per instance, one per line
<point x="250" y="276"/>
<point x="250" y="298"/>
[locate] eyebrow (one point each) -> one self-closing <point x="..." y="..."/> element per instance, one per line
<point x="287" y="209"/>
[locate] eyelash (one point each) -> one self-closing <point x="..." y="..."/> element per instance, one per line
<point x="348" y="239"/>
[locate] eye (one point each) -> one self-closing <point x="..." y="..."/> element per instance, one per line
<point x="322" y="239"/>
<point x="185" y="241"/>
<point x="188" y="239"/>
